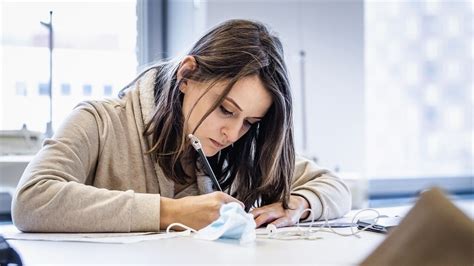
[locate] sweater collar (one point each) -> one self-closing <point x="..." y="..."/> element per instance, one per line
<point x="146" y="91"/>
<point x="146" y="87"/>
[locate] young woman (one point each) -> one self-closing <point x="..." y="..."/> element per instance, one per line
<point x="126" y="164"/>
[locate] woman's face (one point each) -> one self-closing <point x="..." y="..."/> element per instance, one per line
<point x="246" y="104"/>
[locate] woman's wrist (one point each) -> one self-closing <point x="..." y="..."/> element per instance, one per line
<point x="167" y="212"/>
<point x="302" y="204"/>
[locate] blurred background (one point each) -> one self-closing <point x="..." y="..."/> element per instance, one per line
<point x="382" y="90"/>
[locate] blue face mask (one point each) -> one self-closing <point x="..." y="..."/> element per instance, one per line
<point x="234" y="223"/>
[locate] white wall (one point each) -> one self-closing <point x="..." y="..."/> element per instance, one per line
<point x="332" y="35"/>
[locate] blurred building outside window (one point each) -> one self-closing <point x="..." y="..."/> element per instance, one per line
<point x="94" y="44"/>
<point x="419" y="91"/>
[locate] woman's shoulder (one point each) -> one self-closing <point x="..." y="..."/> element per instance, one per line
<point x="102" y="106"/>
<point x="100" y="112"/>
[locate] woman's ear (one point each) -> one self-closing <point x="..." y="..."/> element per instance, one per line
<point x="187" y="66"/>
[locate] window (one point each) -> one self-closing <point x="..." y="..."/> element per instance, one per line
<point x="43" y="89"/>
<point x="65" y="89"/>
<point x="86" y="47"/>
<point x="419" y="97"/>
<point x="20" y="88"/>
<point x="107" y="90"/>
<point x="87" y="90"/>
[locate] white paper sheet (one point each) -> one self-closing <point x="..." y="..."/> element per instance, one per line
<point x="11" y="233"/>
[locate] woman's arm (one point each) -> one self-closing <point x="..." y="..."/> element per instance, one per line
<point x="52" y="195"/>
<point x="312" y="187"/>
<point x="324" y="191"/>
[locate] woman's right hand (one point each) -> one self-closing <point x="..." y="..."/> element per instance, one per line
<point x="194" y="211"/>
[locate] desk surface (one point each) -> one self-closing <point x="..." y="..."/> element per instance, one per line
<point x="332" y="249"/>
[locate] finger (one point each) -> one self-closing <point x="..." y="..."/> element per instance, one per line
<point x="258" y="211"/>
<point x="265" y="218"/>
<point x="226" y="198"/>
<point x="282" y="222"/>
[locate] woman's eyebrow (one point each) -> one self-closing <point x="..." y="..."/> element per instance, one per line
<point x="233" y="102"/>
<point x="238" y="107"/>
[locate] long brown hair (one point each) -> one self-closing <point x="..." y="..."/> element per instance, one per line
<point x="259" y="166"/>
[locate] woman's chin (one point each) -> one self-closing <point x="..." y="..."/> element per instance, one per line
<point x="209" y="152"/>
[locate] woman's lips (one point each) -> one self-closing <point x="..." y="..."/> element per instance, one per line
<point x="217" y="144"/>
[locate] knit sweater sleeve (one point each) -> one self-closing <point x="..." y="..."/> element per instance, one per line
<point x="325" y="192"/>
<point x="55" y="192"/>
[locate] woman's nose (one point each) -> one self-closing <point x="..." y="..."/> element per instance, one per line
<point x="231" y="132"/>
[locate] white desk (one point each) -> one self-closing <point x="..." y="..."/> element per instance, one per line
<point x="332" y="249"/>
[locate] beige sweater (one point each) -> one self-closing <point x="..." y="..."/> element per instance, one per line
<point x="93" y="175"/>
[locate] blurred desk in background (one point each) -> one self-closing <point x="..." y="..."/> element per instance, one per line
<point x="11" y="169"/>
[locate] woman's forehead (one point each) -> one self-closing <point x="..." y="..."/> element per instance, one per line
<point x="248" y="93"/>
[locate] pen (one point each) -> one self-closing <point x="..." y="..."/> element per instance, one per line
<point x="198" y="147"/>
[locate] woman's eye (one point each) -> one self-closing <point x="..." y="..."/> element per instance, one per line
<point x="225" y="111"/>
<point x="247" y="124"/>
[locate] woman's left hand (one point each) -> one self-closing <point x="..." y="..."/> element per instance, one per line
<point x="275" y="214"/>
